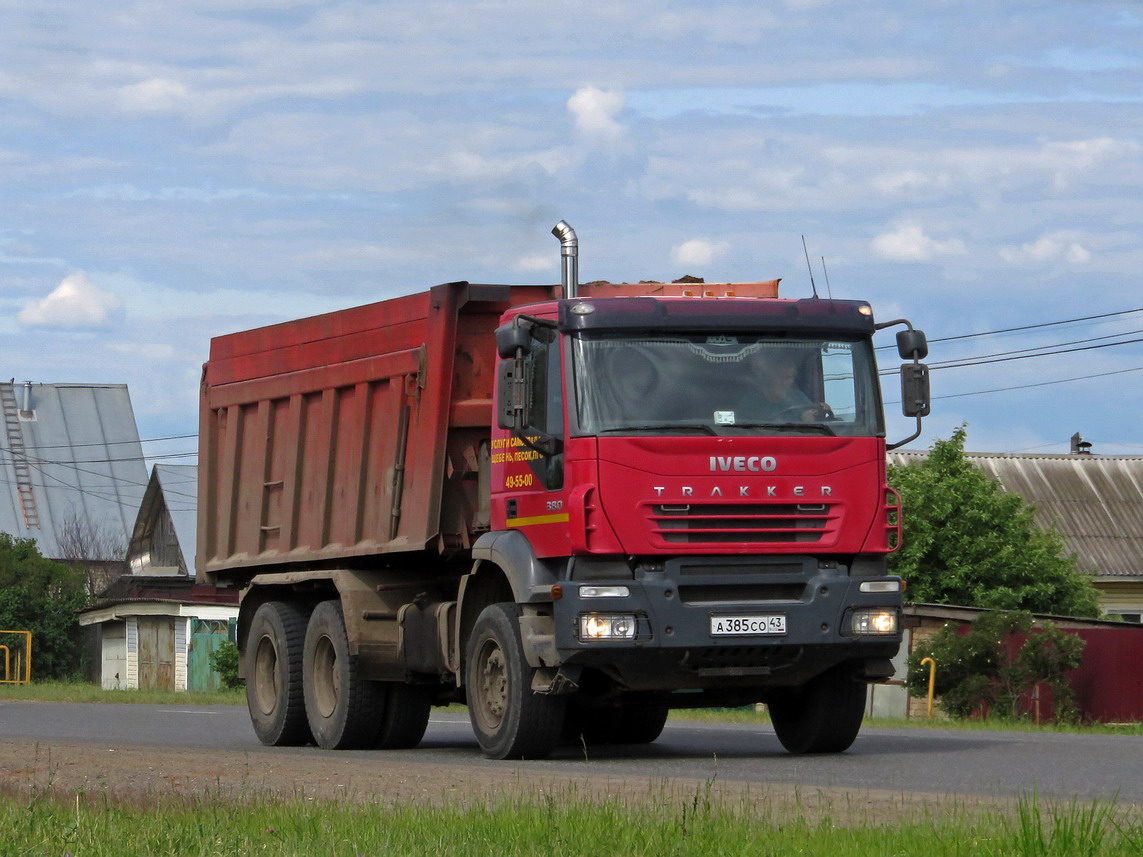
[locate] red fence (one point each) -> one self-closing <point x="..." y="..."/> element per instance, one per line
<point x="1109" y="683"/>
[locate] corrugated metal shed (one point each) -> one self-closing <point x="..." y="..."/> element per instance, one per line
<point x="1094" y="501"/>
<point x="69" y="452"/>
<point x="164" y="536"/>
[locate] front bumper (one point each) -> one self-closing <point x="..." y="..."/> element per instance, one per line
<point x="798" y="623"/>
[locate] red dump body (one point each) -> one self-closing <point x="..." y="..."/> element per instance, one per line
<point x="358" y="432"/>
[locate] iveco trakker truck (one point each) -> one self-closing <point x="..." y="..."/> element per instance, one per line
<point x="573" y="508"/>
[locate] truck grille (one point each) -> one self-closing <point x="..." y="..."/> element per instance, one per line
<point x="743" y="523"/>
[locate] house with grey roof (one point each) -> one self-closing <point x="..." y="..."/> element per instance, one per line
<point x="156" y="627"/>
<point x="1094" y="501"/>
<point x="72" y="468"/>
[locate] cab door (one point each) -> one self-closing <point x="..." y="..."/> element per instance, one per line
<point x="528" y="488"/>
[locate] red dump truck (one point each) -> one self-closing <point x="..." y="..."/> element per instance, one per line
<point x="573" y="508"/>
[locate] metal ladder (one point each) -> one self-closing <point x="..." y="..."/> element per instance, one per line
<point x="19" y="455"/>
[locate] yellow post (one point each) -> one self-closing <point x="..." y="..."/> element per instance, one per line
<point x="932" y="681"/>
<point x="23" y="660"/>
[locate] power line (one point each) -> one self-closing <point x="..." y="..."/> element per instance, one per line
<point x="1027" y="327"/>
<point x="1038" y="384"/>
<point x="942" y="363"/>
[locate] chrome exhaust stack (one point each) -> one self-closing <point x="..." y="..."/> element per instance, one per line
<point x="569" y="257"/>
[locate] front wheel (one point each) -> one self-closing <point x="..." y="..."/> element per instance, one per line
<point x="823" y="716"/>
<point x="510" y="721"/>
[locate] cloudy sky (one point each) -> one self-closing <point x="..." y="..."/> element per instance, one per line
<point x="172" y="171"/>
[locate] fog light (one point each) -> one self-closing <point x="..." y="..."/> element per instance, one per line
<point x="874" y="622"/>
<point x="607" y="626"/>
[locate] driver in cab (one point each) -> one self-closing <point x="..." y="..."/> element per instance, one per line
<point x="780" y="399"/>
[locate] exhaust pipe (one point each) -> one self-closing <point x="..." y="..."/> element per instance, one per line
<point x="569" y="256"/>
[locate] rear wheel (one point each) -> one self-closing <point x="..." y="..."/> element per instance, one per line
<point x="406" y="717"/>
<point x="344" y="711"/>
<point x="510" y="721"/>
<point x="274" y="674"/>
<point x="823" y="716"/>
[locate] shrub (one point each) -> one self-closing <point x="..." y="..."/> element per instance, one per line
<point x="983" y="671"/>
<point x="224" y="661"/>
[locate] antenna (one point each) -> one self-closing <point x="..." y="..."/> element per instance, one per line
<point x="825" y="271"/>
<point x="809" y="267"/>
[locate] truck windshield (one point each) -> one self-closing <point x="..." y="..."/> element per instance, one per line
<point x="725" y="384"/>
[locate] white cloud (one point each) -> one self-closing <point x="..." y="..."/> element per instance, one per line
<point x="698" y="251"/>
<point x="595" y="111"/>
<point x="536" y="263"/>
<point x="1055" y="247"/>
<point x="75" y="304"/>
<point x="157" y="95"/>
<point x="909" y="243"/>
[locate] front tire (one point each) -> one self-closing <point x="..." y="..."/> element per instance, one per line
<point x="274" y="674"/>
<point x="510" y="721"/>
<point x="344" y="711"/>
<point x="823" y="716"/>
<point x="641" y="724"/>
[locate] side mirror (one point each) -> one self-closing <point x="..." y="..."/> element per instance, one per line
<point x="912" y="344"/>
<point x="511" y="337"/>
<point x="914" y="389"/>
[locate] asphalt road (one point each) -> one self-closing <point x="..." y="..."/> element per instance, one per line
<point x="979" y="763"/>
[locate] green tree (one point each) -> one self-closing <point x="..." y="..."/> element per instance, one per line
<point x="981" y="669"/>
<point x="42" y="596"/>
<point x="969" y="542"/>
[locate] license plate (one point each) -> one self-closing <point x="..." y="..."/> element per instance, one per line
<point x="747" y="626"/>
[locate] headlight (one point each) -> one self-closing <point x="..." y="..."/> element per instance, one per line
<point x="874" y="622"/>
<point x="607" y="626"/>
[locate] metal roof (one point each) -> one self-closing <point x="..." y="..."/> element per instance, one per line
<point x="169" y="505"/>
<point x="70" y="452"/>
<point x="1094" y="501"/>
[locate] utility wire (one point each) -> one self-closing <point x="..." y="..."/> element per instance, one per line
<point x="1027" y="327"/>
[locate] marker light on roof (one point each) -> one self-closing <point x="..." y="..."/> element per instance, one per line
<point x="583" y="309"/>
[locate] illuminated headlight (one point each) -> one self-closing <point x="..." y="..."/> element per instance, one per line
<point x="606" y="626"/>
<point x="604" y="592"/>
<point x="874" y="622"/>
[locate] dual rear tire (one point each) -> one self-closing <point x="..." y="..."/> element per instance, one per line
<point x="303" y="685"/>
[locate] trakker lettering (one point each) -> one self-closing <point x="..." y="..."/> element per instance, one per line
<point x="744" y="491"/>
<point x="741" y="463"/>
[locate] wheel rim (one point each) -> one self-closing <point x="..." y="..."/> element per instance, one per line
<point x="266" y="675"/>
<point x="327" y="681"/>
<point x="492" y="685"/>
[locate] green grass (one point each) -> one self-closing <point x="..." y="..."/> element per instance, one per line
<point x="59" y="691"/>
<point x="564" y="823"/>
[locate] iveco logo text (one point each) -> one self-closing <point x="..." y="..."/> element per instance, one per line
<point x="743" y="463"/>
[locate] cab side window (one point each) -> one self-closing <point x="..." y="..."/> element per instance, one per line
<point x="545" y="395"/>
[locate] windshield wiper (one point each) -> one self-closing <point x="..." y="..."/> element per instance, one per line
<point x="802" y="428"/>
<point x="702" y="429"/>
